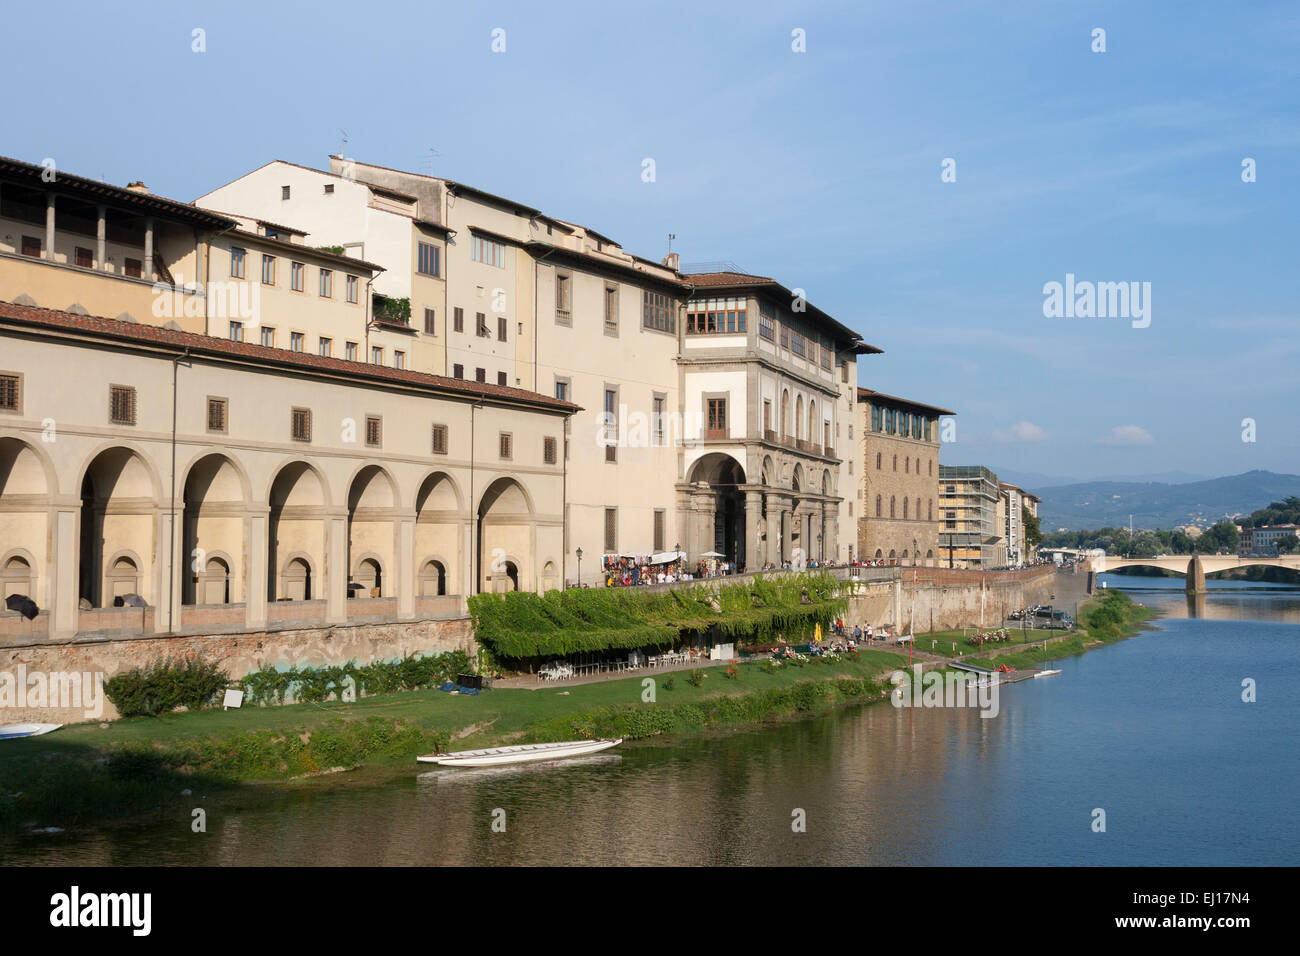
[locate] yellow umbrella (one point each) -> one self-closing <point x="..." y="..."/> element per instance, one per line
<point x="818" y="632"/>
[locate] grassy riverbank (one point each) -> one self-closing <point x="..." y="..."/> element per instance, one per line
<point x="92" y="772"/>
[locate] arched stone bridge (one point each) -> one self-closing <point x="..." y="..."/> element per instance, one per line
<point x="1194" y="566"/>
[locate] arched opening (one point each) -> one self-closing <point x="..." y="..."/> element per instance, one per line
<point x="879" y="554"/>
<point x="212" y="521"/>
<point x="297" y="580"/>
<point x="433" y="579"/>
<point x="504" y="527"/>
<point x="893" y="557"/>
<point x="296" y="530"/>
<point x="725" y="534"/>
<point x="929" y="558"/>
<point x="118" y="514"/>
<point x="372" y="500"/>
<point x="506" y="578"/>
<point x="904" y="560"/>
<point x="212" y="584"/>
<point x="439" y="517"/>
<point x="798" y="417"/>
<point x="122" y="578"/>
<point x="785" y="415"/>
<point x="370" y="575"/>
<point x="811" y="433"/>
<point x="548" y="577"/>
<point x="16" y="577"/>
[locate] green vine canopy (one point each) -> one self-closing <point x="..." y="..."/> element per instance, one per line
<point x="520" y="626"/>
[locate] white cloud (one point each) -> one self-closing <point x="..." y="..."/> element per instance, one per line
<point x="1128" y="435"/>
<point x="1021" y="431"/>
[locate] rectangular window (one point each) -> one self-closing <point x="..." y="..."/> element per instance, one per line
<point x="501" y="328"/>
<point x="707" y="316"/>
<point x="488" y="252"/>
<point x="236" y="331"/>
<point x="284" y="192"/>
<point x="562" y="389"/>
<point x="268" y="270"/>
<point x="658" y="536"/>
<point x="828" y="354"/>
<point x="10" y="393"/>
<point x="797" y="343"/>
<point x="657" y="312"/>
<point x="350" y="351"/>
<point x="785" y="336"/>
<point x="458" y="371"/>
<point x="658" y="423"/>
<point x="399" y="358"/>
<point x="611" y="424"/>
<point x="376" y="355"/>
<point x="85" y="258"/>
<point x="31" y="247"/>
<point x="374" y="431"/>
<point x="430" y="322"/>
<point x="326" y="284"/>
<point x="766" y="323"/>
<point x="459" y="320"/>
<point x="717" y="425"/>
<point x="297" y="276"/>
<point x="428" y="259"/>
<point x="480" y="375"/>
<point x="329" y="189"/>
<point x="505" y="447"/>
<point x="325" y="347"/>
<point x="440" y="439"/>
<point x="216" y="415"/>
<point x="352" y="288"/>
<point x="501" y="378"/>
<point x="548" y="450"/>
<point x="767" y="417"/>
<point x="562" y="295"/>
<point x="268" y="336"/>
<point x="481" y="326"/>
<point x="237" y="262"/>
<point x="121" y="404"/>
<point x="611" y="530"/>
<point x="296" y="340"/>
<point x="300" y="424"/>
<point x="134" y="268"/>
<point x="611" y="308"/>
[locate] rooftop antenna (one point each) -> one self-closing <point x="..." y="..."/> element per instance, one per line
<point x="343" y="146"/>
<point x="671" y="237"/>
<point x="432" y="153"/>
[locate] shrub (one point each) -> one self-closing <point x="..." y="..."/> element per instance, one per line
<point x="164" y="686"/>
<point x="696" y="677"/>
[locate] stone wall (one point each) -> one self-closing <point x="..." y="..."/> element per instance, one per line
<point x="238" y="653"/>
<point x="947" y="599"/>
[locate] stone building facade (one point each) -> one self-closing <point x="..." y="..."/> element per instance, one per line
<point x="900" y="467"/>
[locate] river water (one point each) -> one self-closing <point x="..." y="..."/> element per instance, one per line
<point x="1153" y="731"/>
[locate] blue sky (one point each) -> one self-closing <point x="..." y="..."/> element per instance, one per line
<point x="820" y="168"/>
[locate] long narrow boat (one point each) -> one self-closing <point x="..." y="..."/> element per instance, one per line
<point x="14" y="731"/>
<point x="522" y="753"/>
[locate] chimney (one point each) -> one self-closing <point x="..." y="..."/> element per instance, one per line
<point x="673" y="261"/>
<point x="137" y="187"/>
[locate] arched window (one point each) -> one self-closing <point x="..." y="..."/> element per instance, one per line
<point x="878" y="461"/>
<point x="904" y="511"/>
<point x="895" y="463"/>
<point x="907" y="465"/>
<point x="929" y="510"/>
<point x="918" y="511"/>
<point x="891" y="506"/>
<point x="877" y="506"/>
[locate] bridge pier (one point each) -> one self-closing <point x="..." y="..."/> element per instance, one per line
<point x="1195" y="575"/>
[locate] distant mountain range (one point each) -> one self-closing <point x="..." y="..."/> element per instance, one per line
<point x="1155" y="504"/>
<point x="1036" y="481"/>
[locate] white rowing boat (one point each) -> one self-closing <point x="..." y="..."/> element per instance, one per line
<point x="14" y="731"/>
<point x="522" y="753"/>
<point x="1046" y="673"/>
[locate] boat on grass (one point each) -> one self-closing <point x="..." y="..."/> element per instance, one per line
<point x="14" y="731"/>
<point x="521" y="753"/>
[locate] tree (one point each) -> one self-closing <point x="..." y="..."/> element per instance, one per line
<point x="1221" y="536"/>
<point x="1288" y="544"/>
<point x="1033" y="533"/>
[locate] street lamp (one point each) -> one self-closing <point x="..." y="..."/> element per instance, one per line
<point x="579" y="553"/>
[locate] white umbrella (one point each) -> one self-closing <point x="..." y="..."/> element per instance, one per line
<point x="713" y="554"/>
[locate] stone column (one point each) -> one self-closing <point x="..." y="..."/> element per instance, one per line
<point x="255" y="571"/>
<point x="148" y="250"/>
<point x="49" y="226"/>
<point x="787" y="532"/>
<point x="404" y="553"/>
<point x="465" y="572"/>
<point x="1195" y="575"/>
<point x="64" y="580"/>
<point x="101" y="235"/>
<point x="753" y="556"/>
<point x="336" y="569"/>
<point x="167" y="600"/>
<point x="772" y="545"/>
<point x="704" y="506"/>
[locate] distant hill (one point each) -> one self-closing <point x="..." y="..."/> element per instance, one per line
<point x="1099" y="504"/>
<point x="1037" y="480"/>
